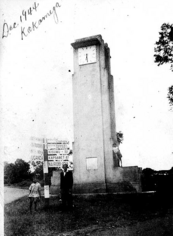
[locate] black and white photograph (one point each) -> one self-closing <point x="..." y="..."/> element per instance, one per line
<point x="86" y="107"/>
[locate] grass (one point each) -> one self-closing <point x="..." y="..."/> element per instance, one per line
<point x="100" y="211"/>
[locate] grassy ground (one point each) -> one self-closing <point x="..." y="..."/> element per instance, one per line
<point x="99" y="211"/>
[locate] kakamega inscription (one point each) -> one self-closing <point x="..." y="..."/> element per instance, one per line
<point x="25" y="31"/>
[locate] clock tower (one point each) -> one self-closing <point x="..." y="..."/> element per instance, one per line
<point x="94" y="115"/>
<point x="96" y="167"/>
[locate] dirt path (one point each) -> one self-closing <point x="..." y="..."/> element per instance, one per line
<point x="12" y="194"/>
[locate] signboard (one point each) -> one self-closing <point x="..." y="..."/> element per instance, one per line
<point x="37" y="145"/>
<point x="58" y="151"/>
<point x="58" y="157"/>
<point x="37" y="158"/>
<point x="56" y="141"/>
<point x="54" y="157"/>
<point x="91" y="163"/>
<point x="57" y="164"/>
<point x="37" y="139"/>
<point x="36" y="149"/>
<point x="57" y="146"/>
<point x="64" y="152"/>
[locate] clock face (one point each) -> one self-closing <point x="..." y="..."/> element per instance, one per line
<point x="87" y="55"/>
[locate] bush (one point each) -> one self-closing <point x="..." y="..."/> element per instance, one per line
<point x="15" y="173"/>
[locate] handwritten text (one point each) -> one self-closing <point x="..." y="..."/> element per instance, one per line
<point x="25" y="31"/>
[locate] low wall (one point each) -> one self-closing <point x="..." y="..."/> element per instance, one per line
<point x="124" y="179"/>
<point x="55" y="179"/>
<point x="129" y="174"/>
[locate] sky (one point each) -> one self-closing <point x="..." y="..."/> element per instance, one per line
<point x="36" y="67"/>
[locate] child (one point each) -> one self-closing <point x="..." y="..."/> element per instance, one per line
<point x="34" y="194"/>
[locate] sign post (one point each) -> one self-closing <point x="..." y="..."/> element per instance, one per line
<point x="55" y="153"/>
<point x="46" y="175"/>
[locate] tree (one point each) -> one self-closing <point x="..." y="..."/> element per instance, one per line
<point x="164" y="52"/>
<point x="171" y="171"/>
<point x="9" y="173"/>
<point x="15" y="173"/>
<point x="147" y="179"/>
<point x="148" y="171"/>
<point x="170" y="95"/>
<point x="22" y="170"/>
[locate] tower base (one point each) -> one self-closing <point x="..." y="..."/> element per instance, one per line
<point x="125" y="179"/>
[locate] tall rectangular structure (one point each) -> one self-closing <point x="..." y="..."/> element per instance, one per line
<point x="94" y="115"/>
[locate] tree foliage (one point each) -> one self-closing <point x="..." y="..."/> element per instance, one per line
<point x="148" y="171"/>
<point x="164" y="47"/>
<point x="22" y="170"/>
<point x="164" y="52"/>
<point x="170" y="95"/>
<point x="15" y="173"/>
<point x="9" y="173"/>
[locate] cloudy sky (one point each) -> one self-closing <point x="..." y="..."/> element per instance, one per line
<point x="37" y="65"/>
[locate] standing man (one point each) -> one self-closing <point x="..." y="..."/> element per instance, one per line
<point x="34" y="194"/>
<point x="66" y="184"/>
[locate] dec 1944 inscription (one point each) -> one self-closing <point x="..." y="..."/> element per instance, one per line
<point x="25" y="31"/>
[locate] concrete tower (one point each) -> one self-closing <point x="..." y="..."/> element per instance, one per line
<point x="94" y="115"/>
<point x="96" y="169"/>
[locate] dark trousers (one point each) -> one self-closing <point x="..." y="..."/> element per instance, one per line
<point x="66" y="196"/>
